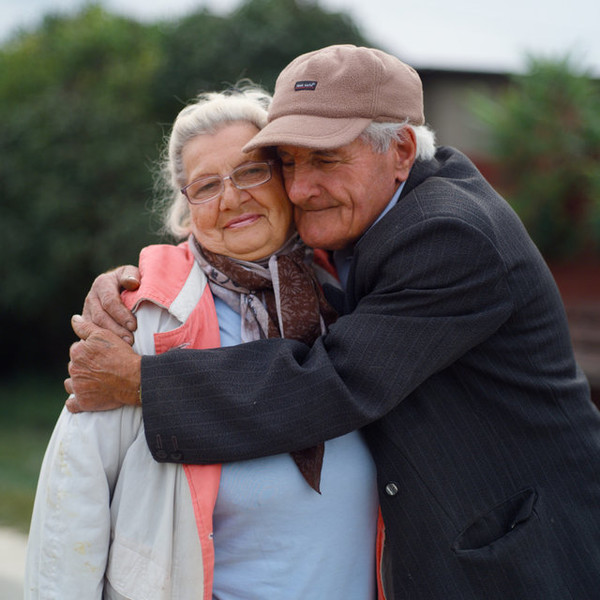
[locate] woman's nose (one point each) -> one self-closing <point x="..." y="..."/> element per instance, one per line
<point x="231" y="196"/>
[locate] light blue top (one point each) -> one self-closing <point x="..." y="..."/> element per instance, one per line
<point x="276" y="538"/>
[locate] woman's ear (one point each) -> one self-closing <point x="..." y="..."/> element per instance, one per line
<point x="404" y="148"/>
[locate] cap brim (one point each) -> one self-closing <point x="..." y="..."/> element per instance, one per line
<point x="308" y="131"/>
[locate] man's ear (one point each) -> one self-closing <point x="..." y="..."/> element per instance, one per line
<point x="405" y="149"/>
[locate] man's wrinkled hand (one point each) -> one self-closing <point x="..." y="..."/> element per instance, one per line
<point x="104" y="370"/>
<point x="103" y="305"/>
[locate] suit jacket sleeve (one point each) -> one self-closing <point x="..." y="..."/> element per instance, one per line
<point x="423" y="291"/>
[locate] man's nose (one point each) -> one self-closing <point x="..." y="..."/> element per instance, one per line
<point x="300" y="185"/>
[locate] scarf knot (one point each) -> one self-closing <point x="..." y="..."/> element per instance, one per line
<point x="279" y="298"/>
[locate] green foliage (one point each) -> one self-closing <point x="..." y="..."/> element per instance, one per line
<point x="206" y="52"/>
<point x="75" y="135"/>
<point x="84" y="103"/>
<point x="30" y="406"/>
<point x="545" y="133"/>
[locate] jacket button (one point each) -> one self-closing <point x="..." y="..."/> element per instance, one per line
<point x="176" y="455"/>
<point x="391" y="489"/>
<point x="160" y="455"/>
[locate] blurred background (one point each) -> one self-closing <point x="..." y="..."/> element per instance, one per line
<point x="88" y="90"/>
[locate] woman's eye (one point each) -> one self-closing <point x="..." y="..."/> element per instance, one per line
<point x="249" y="170"/>
<point x="207" y="188"/>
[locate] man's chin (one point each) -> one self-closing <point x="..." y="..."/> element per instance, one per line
<point x="323" y="240"/>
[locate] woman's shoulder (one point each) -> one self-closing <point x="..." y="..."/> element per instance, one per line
<point x="166" y="264"/>
<point x="166" y="271"/>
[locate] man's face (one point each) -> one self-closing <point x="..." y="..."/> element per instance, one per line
<point x="337" y="194"/>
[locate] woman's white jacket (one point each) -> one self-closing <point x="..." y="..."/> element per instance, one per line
<point x="109" y="522"/>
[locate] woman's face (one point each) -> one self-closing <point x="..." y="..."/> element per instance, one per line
<point x="245" y="224"/>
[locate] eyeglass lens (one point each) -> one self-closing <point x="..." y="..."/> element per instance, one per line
<point x="244" y="177"/>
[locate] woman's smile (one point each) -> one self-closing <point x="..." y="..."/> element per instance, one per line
<point x="242" y="221"/>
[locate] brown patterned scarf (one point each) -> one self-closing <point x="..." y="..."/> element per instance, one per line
<point x="282" y="298"/>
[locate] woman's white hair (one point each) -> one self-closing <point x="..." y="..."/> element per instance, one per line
<point x="380" y="136"/>
<point x="206" y="115"/>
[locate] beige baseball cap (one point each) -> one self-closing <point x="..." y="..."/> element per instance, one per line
<point x="326" y="98"/>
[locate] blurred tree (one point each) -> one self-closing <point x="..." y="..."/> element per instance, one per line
<point x="84" y="103"/>
<point x="206" y="52"/>
<point x="76" y="132"/>
<point x="545" y="135"/>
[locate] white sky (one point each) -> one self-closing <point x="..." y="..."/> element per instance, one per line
<point x="462" y="34"/>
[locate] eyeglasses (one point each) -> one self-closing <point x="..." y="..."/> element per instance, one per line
<point x="244" y="177"/>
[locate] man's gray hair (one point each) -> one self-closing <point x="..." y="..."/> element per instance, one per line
<point x="381" y="135"/>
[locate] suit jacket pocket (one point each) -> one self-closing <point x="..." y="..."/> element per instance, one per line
<point x="511" y="552"/>
<point x="498" y="524"/>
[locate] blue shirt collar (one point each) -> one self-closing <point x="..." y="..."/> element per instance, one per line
<point x="343" y="258"/>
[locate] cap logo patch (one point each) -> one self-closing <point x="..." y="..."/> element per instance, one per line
<point x="305" y="85"/>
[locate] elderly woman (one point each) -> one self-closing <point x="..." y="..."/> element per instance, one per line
<point x="109" y="521"/>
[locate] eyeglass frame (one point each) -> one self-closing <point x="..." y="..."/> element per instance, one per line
<point x="223" y="179"/>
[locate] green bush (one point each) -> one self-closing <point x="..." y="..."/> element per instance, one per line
<point x="31" y="404"/>
<point x="545" y="136"/>
<point x="76" y="131"/>
<point x="85" y="101"/>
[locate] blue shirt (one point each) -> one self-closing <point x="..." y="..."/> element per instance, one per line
<point x="275" y="537"/>
<point x="343" y="258"/>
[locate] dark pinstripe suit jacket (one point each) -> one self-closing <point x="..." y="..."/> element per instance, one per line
<point x="455" y="357"/>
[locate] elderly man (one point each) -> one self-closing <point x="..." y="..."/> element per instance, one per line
<point x="453" y="352"/>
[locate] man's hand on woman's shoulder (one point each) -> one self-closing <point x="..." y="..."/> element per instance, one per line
<point x="104" y="370"/>
<point x="103" y="305"/>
